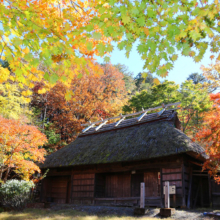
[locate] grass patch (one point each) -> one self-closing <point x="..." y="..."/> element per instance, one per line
<point x="67" y="214"/>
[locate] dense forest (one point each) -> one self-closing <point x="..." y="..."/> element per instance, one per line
<point x="51" y="118"/>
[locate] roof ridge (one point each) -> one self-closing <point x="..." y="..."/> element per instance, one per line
<point x="165" y="115"/>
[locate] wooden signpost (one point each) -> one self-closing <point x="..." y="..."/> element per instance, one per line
<point x="167" y="211"/>
<point x="141" y="210"/>
<point x="142" y="199"/>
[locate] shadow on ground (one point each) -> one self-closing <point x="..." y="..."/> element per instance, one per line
<point x="83" y="212"/>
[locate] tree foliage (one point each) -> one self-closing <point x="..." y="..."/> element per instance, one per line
<point x="193" y="97"/>
<point x="12" y="103"/>
<point x="19" y="149"/>
<point x="50" y="32"/>
<point x="67" y="32"/>
<point x="209" y="136"/>
<point x="163" y="29"/>
<point x="94" y="96"/>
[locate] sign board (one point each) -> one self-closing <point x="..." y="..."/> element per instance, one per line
<point x="172" y="190"/>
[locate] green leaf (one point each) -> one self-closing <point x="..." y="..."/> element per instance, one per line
<point x="195" y="35"/>
<point x="89" y="46"/>
<point x="141" y="21"/>
<point x="80" y="75"/>
<point x="53" y="78"/>
<point x="126" y="19"/>
<point x="106" y="59"/>
<point x="174" y="57"/>
<point x="46" y="76"/>
<point x="97" y="36"/>
<point x="101" y="49"/>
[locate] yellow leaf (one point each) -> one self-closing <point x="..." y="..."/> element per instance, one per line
<point x="212" y="57"/>
<point x="156" y="81"/>
<point x="146" y="31"/>
<point x="26" y="50"/>
<point x="42" y="91"/>
<point x="27" y="93"/>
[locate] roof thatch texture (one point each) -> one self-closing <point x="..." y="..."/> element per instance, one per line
<point x="135" y="142"/>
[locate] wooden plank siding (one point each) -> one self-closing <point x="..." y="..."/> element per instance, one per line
<point x="174" y="176"/>
<point x="115" y="183"/>
<point x="83" y="188"/>
<point x="56" y="189"/>
<point x="215" y="190"/>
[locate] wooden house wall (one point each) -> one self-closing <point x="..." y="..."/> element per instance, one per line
<point x="115" y="181"/>
<point x="215" y="192"/>
<point x="82" y="187"/>
<point x="57" y="189"/>
<point x="174" y="176"/>
<point x="152" y="185"/>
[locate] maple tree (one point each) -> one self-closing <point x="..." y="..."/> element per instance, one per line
<point x="52" y="31"/>
<point x="94" y="96"/>
<point x="19" y="149"/>
<point x="209" y="136"/>
<point x="163" y="28"/>
<point x="48" y="32"/>
<point x="12" y="103"/>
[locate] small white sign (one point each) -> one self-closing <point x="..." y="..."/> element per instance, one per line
<point x="172" y="190"/>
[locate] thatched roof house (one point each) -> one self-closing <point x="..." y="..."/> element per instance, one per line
<point x="152" y="137"/>
<point x="107" y="164"/>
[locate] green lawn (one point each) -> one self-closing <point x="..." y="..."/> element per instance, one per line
<point x="67" y="214"/>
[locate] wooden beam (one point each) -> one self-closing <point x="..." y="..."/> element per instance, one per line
<point x="103" y="123"/>
<point x="183" y="186"/>
<point x="190" y="189"/>
<point x="86" y="129"/>
<point x="161" y="187"/>
<point x="210" y="191"/>
<point x="136" y="113"/>
<point x="139" y="118"/>
<point x="122" y="119"/>
<point x="161" y="112"/>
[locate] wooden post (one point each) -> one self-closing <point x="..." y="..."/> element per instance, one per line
<point x="142" y="199"/>
<point x="167" y="194"/>
<point x="161" y="187"/>
<point x="183" y="187"/>
<point x="210" y="191"/>
<point x="190" y="189"/>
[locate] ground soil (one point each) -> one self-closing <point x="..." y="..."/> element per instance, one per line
<point x="180" y="214"/>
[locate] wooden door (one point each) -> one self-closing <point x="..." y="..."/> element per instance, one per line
<point x="118" y="185"/>
<point x="58" y="189"/>
<point x="136" y="180"/>
<point x="151" y="184"/>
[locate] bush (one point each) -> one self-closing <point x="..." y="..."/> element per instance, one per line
<point x="14" y="194"/>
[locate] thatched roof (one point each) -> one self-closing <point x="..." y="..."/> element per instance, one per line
<point x="156" y="137"/>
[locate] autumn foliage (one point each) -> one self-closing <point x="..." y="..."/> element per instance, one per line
<point x="93" y="96"/>
<point x="209" y="136"/>
<point x="19" y="149"/>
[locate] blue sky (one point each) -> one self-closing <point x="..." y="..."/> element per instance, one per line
<point x="183" y="67"/>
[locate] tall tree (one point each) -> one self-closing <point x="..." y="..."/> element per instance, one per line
<point x="19" y="149"/>
<point x="196" y="78"/>
<point x="128" y="79"/>
<point x="144" y="81"/>
<point x="95" y="96"/>
<point x="209" y="136"/>
<point x="193" y="97"/>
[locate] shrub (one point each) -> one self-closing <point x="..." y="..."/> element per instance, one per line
<point x="14" y="194"/>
